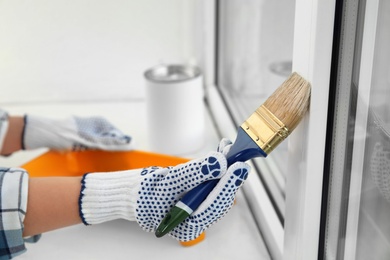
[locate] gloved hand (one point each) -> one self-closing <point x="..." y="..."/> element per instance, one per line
<point x="73" y="133"/>
<point x="146" y="195"/>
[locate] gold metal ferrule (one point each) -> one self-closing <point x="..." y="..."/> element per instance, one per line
<point x="265" y="129"/>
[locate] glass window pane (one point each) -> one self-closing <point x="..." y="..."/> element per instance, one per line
<point x="373" y="241"/>
<point x="255" y="57"/>
<point x="358" y="199"/>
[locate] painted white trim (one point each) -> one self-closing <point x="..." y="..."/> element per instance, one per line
<point x="256" y="195"/>
<point x="365" y="79"/>
<point x="313" y="36"/>
<point x="278" y="176"/>
<point x="264" y="213"/>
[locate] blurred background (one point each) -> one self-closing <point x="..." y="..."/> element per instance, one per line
<point x="323" y="194"/>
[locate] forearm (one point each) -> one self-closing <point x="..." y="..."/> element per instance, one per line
<point x="13" y="138"/>
<point x="52" y="204"/>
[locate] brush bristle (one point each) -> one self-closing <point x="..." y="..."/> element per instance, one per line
<point x="290" y="101"/>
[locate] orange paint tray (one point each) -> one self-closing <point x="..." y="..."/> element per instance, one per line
<point x="78" y="163"/>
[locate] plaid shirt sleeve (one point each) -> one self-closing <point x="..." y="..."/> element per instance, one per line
<point x="13" y="203"/>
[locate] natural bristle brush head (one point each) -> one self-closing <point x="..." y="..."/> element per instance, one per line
<point x="290" y="101"/>
<point x="277" y="117"/>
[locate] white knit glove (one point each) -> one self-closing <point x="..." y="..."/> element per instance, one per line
<point x="146" y="195"/>
<point x="73" y="133"/>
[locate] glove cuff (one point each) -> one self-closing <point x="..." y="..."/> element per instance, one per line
<point x="108" y="196"/>
<point x="44" y="132"/>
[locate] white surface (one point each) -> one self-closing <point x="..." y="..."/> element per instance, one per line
<point x="89" y="50"/>
<point x="125" y="240"/>
<point x="313" y="35"/>
<point x="234" y="237"/>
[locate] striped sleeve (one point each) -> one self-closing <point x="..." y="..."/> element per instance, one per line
<point x="13" y="204"/>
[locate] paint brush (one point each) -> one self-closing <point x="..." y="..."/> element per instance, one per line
<point x="258" y="136"/>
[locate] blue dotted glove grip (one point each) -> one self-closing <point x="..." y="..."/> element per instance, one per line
<point x="216" y="205"/>
<point x="163" y="187"/>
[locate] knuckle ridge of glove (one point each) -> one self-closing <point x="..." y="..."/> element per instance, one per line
<point x="214" y="166"/>
<point x="239" y="172"/>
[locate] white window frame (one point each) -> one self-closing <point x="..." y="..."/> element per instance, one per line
<point x="312" y="53"/>
<point x="313" y="37"/>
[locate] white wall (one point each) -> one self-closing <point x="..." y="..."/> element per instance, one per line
<point x="72" y="50"/>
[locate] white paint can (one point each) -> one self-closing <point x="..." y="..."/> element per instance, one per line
<point x="175" y="109"/>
